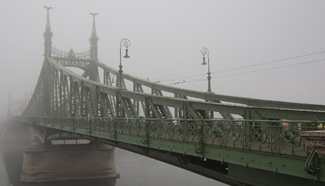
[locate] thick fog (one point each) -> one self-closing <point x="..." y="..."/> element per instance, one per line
<point x="166" y="39"/>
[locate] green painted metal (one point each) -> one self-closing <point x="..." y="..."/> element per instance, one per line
<point x="266" y="137"/>
<point x="280" y="149"/>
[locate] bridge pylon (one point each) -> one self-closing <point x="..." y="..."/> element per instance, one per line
<point x="93" y="70"/>
<point x="48" y="34"/>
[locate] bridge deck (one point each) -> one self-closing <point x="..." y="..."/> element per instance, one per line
<point x="279" y="150"/>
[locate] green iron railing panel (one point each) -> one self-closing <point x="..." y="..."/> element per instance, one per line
<point x="274" y="146"/>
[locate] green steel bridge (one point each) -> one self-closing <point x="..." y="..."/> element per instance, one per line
<point x="236" y="140"/>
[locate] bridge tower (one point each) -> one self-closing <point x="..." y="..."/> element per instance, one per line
<point x="93" y="41"/>
<point x="48" y="34"/>
<point x="53" y="155"/>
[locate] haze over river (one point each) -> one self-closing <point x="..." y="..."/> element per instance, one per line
<point x="134" y="169"/>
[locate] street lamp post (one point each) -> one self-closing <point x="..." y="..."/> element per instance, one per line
<point x="206" y="61"/>
<point x="124" y="44"/>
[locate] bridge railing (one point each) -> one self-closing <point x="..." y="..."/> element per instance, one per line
<point x="269" y="136"/>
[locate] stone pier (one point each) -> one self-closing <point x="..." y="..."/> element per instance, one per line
<point x="66" y="162"/>
<point x="37" y="156"/>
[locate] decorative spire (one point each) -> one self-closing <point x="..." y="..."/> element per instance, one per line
<point x="48" y="33"/>
<point x="93" y="39"/>
<point x="48" y="23"/>
<point x="93" y="69"/>
<point x="94" y="34"/>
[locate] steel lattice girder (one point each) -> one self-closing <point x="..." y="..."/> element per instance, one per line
<point x="265" y="112"/>
<point x="214" y="97"/>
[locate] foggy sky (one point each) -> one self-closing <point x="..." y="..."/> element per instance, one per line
<point x="166" y="38"/>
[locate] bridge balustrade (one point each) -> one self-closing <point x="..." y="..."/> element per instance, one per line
<point x="270" y="136"/>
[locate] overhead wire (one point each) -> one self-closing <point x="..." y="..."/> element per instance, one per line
<point x="253" y="71"/>
<point x="194" y="78"/>
<point x="286" y="60"/>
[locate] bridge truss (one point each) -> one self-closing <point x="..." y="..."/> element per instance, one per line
<point x="199" y="131"/>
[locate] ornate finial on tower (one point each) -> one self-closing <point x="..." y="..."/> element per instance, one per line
<point x="48" y="25"/>
<point x="93" y="39"/>
<point x="94" y="34"/>
<point x="48" y="33"/>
